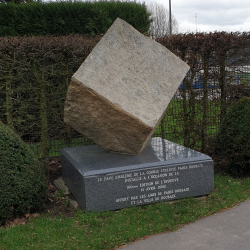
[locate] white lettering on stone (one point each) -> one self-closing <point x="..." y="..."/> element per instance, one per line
<point x="182" y="168"/>
<point x="152" y="195"/>
<point x="148" y="200"/>
<point x="172" y="169"/>
<point x="168" y="192"/>
<point x="161" y="186"/>
<point x="181" y="190"/>
<point x="146" y="184"/>
<point x="150" y="188"/>
<point x="134" y="198"/>
<point x="170" y="180"/>
<point x="151" y="180"/>
<point x="157" y="176"/>
<point x="131" y="186"/>
<point x="108" y="178"/>
<point x="168" y="197"/>
<point x="122" y="199"/>
<point x="153" y="172"/>
<point x="133" y="179"/>
<point x="196" y="166"/>
<point x="164" y="170"/>
<point x="123" y="176"/>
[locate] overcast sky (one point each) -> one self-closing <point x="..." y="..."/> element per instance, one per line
<point x="212" y="15"/>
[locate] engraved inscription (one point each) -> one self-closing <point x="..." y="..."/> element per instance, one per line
<point x="152" y="185"/>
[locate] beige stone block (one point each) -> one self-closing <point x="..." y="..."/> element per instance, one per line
<point x="120" y="93"/>
<point x="60" y="185"/>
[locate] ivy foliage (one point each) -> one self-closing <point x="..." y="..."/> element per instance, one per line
<point x="22" y="183"/>
<point x="233" y="138"/>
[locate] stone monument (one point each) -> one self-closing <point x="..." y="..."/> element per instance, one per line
<point x="120" y="93"/>
<point x="117" y="98"/>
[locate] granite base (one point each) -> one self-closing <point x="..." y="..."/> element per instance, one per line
<point x="163" y="171"/>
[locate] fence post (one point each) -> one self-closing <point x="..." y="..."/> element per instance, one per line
<point x="205" y="102"/>
<point x="191" y="108"/>
<point x="68" y="134"/>
<point x="185" y="113"/>
<point x="185" y="107"/>
<point x="43" y="114"/>
<point x="163" y="131"/>
<point x="222" y="81"/>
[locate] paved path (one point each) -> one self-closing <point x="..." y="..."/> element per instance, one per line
<point x="228" y="230"/>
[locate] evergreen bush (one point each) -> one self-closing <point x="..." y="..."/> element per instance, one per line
<point x="67" y="17"/>
<point x="233" y="138"/>
<point x="22" y="183"/>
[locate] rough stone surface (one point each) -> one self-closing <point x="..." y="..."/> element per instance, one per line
<point x="163" y="171"/>
<point x="60" y="185"/>
<point x="121" y="91"/>
<point x="73" y="204"/>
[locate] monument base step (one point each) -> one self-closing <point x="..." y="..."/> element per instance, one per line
<point x="163" y="171"/>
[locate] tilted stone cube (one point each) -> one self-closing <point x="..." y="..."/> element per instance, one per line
<point x="120" y="93"/>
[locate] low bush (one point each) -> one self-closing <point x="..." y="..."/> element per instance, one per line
<point x="233" y="138"/>
<point x="22" y="183"/>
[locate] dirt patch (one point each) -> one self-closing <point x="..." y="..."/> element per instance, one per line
<point x="56" y="204"/>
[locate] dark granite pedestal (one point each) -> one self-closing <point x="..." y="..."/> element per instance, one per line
<point x="163" y="171"/>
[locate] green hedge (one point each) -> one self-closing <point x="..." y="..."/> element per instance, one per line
<point x="32" y="68"/>
<point x="63" y="18"/>
<point x="233" y="138"/>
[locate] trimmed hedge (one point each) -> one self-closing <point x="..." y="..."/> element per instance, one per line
<point x="63" y="18"/>
<point x="22" y="183"/>
<point x="233" y="138"/>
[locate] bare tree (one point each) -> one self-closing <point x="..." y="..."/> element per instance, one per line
<point x="160" y="25"/>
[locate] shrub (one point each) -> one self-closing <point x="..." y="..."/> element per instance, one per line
<point x="233" y="138"/>
<point x="22" y="183"/>
<point x="69" y="17"/>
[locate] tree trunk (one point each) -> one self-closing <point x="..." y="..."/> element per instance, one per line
<point x="9" y="107"/>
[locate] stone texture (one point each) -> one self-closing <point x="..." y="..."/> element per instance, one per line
<point x="73" y="204"/>
<point x="60" y="185"/>
<point x="121" y="91"/>
<point x="163" y="171"/>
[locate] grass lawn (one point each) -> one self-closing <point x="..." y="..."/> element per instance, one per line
<point x="107" y="230"/>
